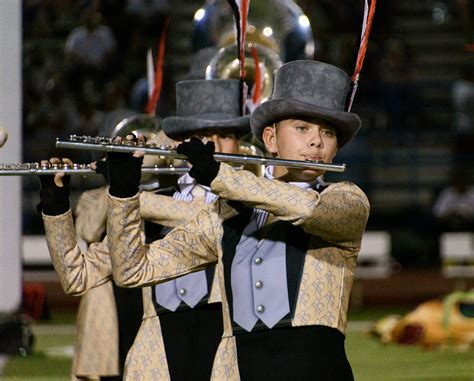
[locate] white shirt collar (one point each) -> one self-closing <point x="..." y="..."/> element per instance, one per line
<point x="186" y="185"/>
<point x="300" y="184"/>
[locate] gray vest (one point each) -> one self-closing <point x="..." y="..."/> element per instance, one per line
<point x="278" y="299"/>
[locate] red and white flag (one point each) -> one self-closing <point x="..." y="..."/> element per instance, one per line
<point x="155" y="77"/>
<point x="240" y="9"/>
<point x="369" y="11"/>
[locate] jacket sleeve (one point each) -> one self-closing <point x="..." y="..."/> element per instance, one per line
<point x="90" y="215"/>
<point x="167" y="211"/>
<point x="187" y="248"/>
<point x="78" y="271"/>
<point x="338" y="214"/>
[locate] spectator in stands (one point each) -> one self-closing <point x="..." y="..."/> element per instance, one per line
<point x="63" y="17"/>
<point x="454" y="207"/>
<point x="49" y="112"/>
<point x="344" y="15"/>
<point x="90" y="48"/>
<point x="47" y="19"/>
<point x="145" y="9"/>
<point x="88" y="122"/>
<point x="133" y="57"/>
<point x="462" y="94"/>
<point x="465" y="10"/>
<point x="89" y="117"/>
<point x="115" y="107"/>
<point x="148" y="15"/>
<point x="56" y="104"/>
<point x="397" y="90"/>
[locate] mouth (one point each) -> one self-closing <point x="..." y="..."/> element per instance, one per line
<point x="313" y="158"/>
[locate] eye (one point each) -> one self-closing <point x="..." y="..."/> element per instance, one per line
<point x="225" y="135"/>
<point x="328" y="133"/>
<point x="301" y="128"/>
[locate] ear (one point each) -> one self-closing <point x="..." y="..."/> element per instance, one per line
<point x="269" y="138"/>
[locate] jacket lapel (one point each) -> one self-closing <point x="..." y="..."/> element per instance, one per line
<point x="296" y="247"/>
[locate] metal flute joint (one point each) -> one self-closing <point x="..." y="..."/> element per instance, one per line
<point x="107" y="145"/>
<point x="25" y="169"/>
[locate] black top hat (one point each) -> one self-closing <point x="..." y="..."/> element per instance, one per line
<point x="200" y="61"/>
<point x="309" y="89"/>
<point x="206" y="105"/>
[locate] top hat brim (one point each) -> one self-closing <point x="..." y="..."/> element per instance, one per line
<point x="178" y="127"/>
<point x="347" y="124"/>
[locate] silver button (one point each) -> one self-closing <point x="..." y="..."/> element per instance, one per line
<point x="258" y="284"/>
<point x="257" y="260"/>
<point x="182" y="291"/>
<point x="260" y="308"/>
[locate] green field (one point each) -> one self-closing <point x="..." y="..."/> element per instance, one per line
<point x="371" y="360"/>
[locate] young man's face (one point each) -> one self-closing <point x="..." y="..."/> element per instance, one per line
<point x="224" y="142"/>
<point x="297" y="139"/>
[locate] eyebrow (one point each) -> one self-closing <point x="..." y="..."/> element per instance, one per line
<point x="321" y="124"/>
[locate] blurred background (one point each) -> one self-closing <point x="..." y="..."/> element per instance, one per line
<point x="413" y="156"/>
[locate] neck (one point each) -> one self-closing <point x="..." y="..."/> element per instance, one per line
<point x="280" y="173"/>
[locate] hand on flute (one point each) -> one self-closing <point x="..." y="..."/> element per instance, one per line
<point x="124" y="169"/>
<point x="201" y="156"/>
<point x="54" y="192"/>
<point x="100" y="167"/>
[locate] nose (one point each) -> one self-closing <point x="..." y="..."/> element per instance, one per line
<point x="215" y="139"/>
<point x="315" y="140"/>
<point x="217" y="142"/>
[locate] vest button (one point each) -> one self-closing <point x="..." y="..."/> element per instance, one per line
<point x="259" y="284"/>
<point x="260" y="308"/>
<point x="257" y="260"/>
<point x="182" y="291"/>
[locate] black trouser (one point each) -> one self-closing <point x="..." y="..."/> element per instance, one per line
<point x="293" y="353"/>
<point x="129" y="304"/>
<point x="191" y="338"/>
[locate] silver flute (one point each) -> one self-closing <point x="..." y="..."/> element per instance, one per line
<point x="26" y="169"/>
<point x="103" y="144"/>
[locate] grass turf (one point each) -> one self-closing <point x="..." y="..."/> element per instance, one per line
<point x="370" y="360"/>
<point x="44" y="363"/>
<point x="374" y="361"/>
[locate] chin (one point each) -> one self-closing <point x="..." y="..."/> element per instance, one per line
<point x="306" y="175"/>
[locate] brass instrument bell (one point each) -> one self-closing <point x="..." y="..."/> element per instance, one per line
<point x="278" y="30"/>
<point x="150" y="127"/>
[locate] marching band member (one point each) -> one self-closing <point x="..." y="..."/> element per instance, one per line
<point x="163" y="344"/>
<point x="285" y="245"/>
<point x="108" y="317"/>
<point x="96" y="347"/>
<point x="193" y="301"/>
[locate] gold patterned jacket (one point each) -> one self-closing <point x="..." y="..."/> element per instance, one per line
<point x="79" y="270"/>
<point x="90" y="215"/>
<point x="89" y="272"/>
<point x="96" y="346"/>
<point x="334" y="219"/>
